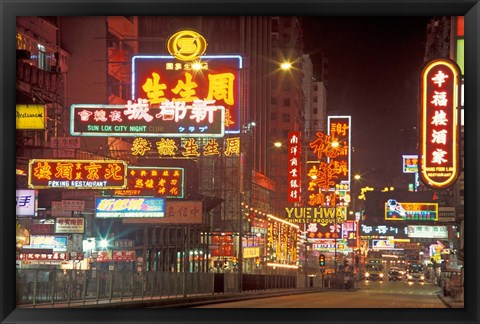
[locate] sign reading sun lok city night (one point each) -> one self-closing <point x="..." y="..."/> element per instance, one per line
<point x="77" y="174"/>
<point x="199" y="118"/>
<point x="439" y="102"/>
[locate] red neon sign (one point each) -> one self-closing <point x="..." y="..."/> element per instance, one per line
<point x="77" y="174"/>
<point x="439" y="123"/>
<point x="294" y="162"/>
<point x="213" y="78"/>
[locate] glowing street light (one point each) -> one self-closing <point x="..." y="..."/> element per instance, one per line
<point x="286" y="66"/>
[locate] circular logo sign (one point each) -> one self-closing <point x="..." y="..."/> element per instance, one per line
<point x="186" y="45"/>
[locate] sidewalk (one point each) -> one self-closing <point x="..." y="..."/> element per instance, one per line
<point x="450" y="302"/>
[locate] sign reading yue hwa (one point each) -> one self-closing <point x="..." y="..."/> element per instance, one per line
<point x="439" y="155"/>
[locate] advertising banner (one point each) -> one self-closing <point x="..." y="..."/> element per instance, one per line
<point x="123" y="256"/>
<point x="126" y="207"/>
<point x="26" y="203"/>
<point x="419" y="231"/>
<point x="70" y="225"/>
<point x="30" y="117"/>
<point x="322" y="215"/>
<point x="410" y="163"/>
<point x="56" y="243"/>
<point x="417" y="211"/>
<point x="222" y="245"/>
<point x="176" y="212"/>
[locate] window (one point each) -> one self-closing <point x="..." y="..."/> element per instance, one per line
<point x="286" y="38"/>
<point x="273" y="101"/>
<point x="315" y="111"/>
<point x="286" y="102"/>
<point x="286" y="118"/>
<point x="273" y="116"/>
<point x="286" y="85"/>
<point x="315" y="87"/>
<point x="315" y="99"/>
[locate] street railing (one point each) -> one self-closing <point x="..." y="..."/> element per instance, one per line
<point x="38" y="286"/>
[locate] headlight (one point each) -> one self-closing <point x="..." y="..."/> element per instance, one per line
<point x="381" y="275"/>
<point x="409" y="277"/>
<point x="367" y="274"/>
<point x="422" y="277"/>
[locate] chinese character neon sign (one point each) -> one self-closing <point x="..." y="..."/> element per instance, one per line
<point x="294" y="162"/>
<point x="213" y="78"/>
<point x="200" y="118"/>
<point x="439" y="123"/>
<point x="77" y="174"/>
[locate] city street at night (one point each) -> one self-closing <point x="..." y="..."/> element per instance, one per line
<point x="240" y="162"/>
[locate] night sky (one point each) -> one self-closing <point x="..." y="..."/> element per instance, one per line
<point x="373" y="75"/>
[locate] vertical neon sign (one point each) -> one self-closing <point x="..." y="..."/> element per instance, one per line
<point x="294" y="172"/>
<point x="439" y="123"/>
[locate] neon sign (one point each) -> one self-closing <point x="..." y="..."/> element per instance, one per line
<point x="201" y="118"/>
<point x="294" y="170"/>
<point x="186" y="45"/>
<point x="439" y="157"/>
<point x="339" y="129"/>
<point x="395" y="210"/>
<point x="214" y="78"/>
<point x="162" y="181"/>
<point x="129" y="207"/>
<point x="77" y="174"/>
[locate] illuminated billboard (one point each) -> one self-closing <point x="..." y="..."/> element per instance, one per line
<point x="26" y="202"/>
<point x="129" y="207"/>
<point x="410" y="163"/>
<point x="294" y="163"/>
<point x="323" y="215"/>
<point x="439" y="114"/>
<point x="55" y="243"/>
<point x="340" y="131"/>
<point x="30" y="117"/>
<point x="160" y="181"/>
<point x="421" y="231"/>
<point x="200" y="118"/>
<point x="77" y="174"/>
<point x="70" y="225"/>
<point x="176" y="212"/>
<point x="216" y="78"/>
<point x="417" y="211"/>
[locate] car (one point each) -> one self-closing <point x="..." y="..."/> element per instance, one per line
<point x="394" y="275"/>
<point x="415" y="276"/>
<point x="373" y="272"/>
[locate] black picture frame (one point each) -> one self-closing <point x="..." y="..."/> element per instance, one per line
<point x="10" y="9"/>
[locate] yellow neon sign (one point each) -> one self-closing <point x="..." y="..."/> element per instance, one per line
<point x="186" y="45"/>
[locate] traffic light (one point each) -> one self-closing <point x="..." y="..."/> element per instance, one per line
<point x="234" y="261"/>
<point x="321" y="260"/>
<point x="257" y="262"/>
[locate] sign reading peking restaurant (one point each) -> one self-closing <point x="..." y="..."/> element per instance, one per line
<point x="77" y="174"/>
<point x="439" y="101"/>
<point x="197" y="118"/>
